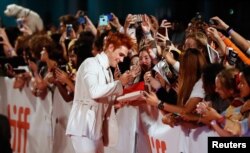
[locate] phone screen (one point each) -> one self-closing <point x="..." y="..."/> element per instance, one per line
<point x="232" y="56"/>
<point x="110" y="17"/>
<point x="132" y="32"/>
<point x="81" y="20"/>
<point x="103" y="20"/>
<point x="162" y="31"/>
<point x="68" y="30"/>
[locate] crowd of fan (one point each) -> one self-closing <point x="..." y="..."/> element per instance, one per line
<point x="204" y="79"/>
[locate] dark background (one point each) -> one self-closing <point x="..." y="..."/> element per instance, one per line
<point x="234" y="12"/>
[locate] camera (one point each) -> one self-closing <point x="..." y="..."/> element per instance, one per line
<point x="19" y="22"/>
<point x="232" y="56"/>
<point x="213" y="22"/>
<point x="103" y="20"/>
<point x="69" y="28"/>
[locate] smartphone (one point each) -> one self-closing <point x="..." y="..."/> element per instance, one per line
<point x="132" y="32"/>
<point x="103" y="20"/>
<point x="69" y="28"/>
<point x="81" y="20"/>
<point x="147" y="87"/>
<point x="19" y="22"/>
<point x="110" y="17"/>
<point x="162" y="31"/>
<point x="232" y="56"/>
<point x="213" y="22"/>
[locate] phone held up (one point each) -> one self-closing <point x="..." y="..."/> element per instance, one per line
<point x="81" y="19"/>
<point x="147" y="87"/>
<point x="104" y="19"/>
<point x="213" y="22"/>
<point x="162" y="31"/>
<point x="69" y="28"/>
<point x="20" y="22"/>
<point x="232" y="56"/>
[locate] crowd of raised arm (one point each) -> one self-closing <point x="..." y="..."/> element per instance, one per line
<point x="204" y="80"/>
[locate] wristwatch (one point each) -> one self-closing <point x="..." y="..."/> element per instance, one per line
<point x="161" y="105"/>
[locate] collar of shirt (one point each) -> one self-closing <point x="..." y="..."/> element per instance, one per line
<point x="103" y="59"/>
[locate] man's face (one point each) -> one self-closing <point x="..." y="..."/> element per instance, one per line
<point x="116" y="55"/>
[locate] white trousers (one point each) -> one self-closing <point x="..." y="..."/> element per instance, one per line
<point x="86" y="145"/>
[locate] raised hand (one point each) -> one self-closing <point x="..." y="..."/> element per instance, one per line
<point x="115" y="22"/>
<point x="90" y="26"/>
<point x="125" y="78"/>
<point x="151" y="98"/>
<point x="220" y="24"/>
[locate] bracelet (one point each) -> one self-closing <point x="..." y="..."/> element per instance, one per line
<point x="160" y="105"/>
<point x="229" y="30"/>
<point x="220" y="120"/>
<point x="213" y="122"/>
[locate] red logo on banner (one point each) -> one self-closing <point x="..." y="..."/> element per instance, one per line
<point x="157" y="145"/>
<point x="18" y="117"/>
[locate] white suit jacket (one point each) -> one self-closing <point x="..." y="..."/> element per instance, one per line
<point x="93" y="93"/>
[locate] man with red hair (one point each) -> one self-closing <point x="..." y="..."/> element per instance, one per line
<point x="95" y="92"/>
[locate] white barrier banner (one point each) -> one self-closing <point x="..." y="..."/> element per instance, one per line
<point x="61" y="110"/>
<point x="29" y="119"/>
<point x="127" y="118"/>
<point x="38" y="126"/>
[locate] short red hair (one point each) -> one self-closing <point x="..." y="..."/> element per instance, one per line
<point x="118" y="40"/>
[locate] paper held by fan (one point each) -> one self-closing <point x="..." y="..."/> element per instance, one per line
<point x="136" y="95"/>
<point x="213" y="54"/>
